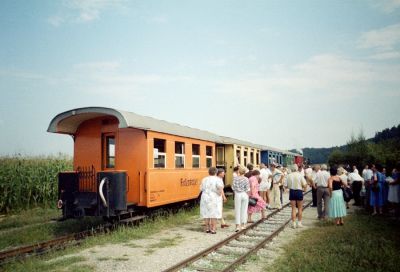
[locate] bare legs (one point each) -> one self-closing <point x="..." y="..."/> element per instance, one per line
<point x="211" y="224"/>
<point x="299" y="205"/>
<point x="207" y="223"/>
<point x="264" y="196"/>
<point x="377" y="208"/>
<point x="339" y="221"/>
<point x="300" y="208"/>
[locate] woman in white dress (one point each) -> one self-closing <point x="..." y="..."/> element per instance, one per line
<point x="210" y="202"/>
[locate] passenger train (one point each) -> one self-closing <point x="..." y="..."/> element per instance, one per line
<point x="125" y="162"/>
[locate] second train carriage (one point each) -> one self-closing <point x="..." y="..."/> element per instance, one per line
<point x="124" y="161"/>
<point x="232" y="152"/>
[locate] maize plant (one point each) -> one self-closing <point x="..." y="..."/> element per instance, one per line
<point x="27" y="182"/>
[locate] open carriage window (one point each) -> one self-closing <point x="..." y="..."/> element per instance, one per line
<point x="195" y="156"/>
<point x="209" y="153"/>
<point x="159" y="153"/>
<point x="245" y="158"/>
<point x="110" y="151"/>
<point x="179" y="155"/>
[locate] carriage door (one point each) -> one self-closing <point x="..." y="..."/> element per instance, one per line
<point x="108" y="150"/>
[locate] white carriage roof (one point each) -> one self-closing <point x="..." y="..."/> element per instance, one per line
<point x="229" y="140"/>
<point x="69" y="121"/>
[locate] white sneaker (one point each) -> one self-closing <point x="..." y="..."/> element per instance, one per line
<point x="293" y="225"/>
<point x="299" y="224"/>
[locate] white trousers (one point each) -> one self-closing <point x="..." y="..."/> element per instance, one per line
<point x="275" y="201"/>
<point x="241" y="205"/>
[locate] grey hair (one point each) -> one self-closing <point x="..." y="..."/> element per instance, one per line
<point x="212" y="171"/>
<point x="294" y="167"/>
<point x="324" y="167"/>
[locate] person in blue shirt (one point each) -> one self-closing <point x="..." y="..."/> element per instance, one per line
<point x="377" y="188"/>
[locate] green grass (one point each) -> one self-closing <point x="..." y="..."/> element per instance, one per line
<point x="38" y="228"/>
<point x="61" y="264"/>
<point x="28" y="217"/>
<point x="365" y="243"/>
<point x="121" y="235"/>
<point x="163" y="243"/>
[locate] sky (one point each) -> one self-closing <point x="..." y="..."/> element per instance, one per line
<point x="287" y="74"/>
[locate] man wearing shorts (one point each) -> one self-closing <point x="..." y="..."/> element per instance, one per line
<point x="296" y="183"/>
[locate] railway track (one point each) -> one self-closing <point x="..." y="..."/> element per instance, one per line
<point x="234" y="250"/>
<point x="61" y="242"/>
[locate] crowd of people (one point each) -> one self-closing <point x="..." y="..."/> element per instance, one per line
<point x="256" y="190"/>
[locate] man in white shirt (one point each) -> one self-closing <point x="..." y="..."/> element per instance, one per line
<point x="321" y="182"/>
<point x="296" y="184"/>
<point x="308" y="173"/>
<point x="367" y="175"/>
<point x="356" y="181"/>
<point x="265" y="183"/>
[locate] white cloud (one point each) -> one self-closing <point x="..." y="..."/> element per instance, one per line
<point x="56" y="20"/>
<point x="158" y="19"/>
<point x="386" y="55"/>
<point x="81" y="11"/>
<point x="217" y="62"/>
<point x="321" y="74"/>
<point x="382" y="39"/>
<point x="110" y="77"/>
<point x="384" y="42"/>
<point x="106" y="66"/>
<point x="387" y="6"/>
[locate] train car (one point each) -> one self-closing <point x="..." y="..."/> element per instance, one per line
<point x="288" y="158"/>
<point x="298" y="159"/>
<point x="233" y="152"/>
<point x="270" y="155"/>
<point x="124" y="161"/>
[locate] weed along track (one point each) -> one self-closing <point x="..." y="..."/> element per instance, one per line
<point x="62" y="241"/>
<point x="236" y="249"/>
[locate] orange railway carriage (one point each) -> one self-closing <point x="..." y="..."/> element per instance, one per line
<point x="124" y="161"/>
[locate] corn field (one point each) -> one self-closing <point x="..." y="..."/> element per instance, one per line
<point x="27" y="182"/>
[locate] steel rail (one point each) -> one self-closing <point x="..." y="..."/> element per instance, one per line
<point x="261" y="244"/>
<point x="224" y="242"/>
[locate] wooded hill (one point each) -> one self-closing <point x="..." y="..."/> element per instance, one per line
<point x="384" y="143"/>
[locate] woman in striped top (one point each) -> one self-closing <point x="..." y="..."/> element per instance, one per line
<point x="240" y="187"/>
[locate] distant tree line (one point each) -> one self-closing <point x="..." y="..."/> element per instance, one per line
<point x="383" y="149"/>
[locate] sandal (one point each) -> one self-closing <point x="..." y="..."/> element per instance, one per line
<point x="208" y="231"/>
<point x="213" y="232"/>
<point x="236" y="230"/>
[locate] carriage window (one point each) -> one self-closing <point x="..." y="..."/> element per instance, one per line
<point x="159" y="153"/>
<point x="179" y="155"/>
<point x="195" y="156"/>
<point x="238" y="157"/>
<point x="110" y="151"/>
<point x="209" y="153"/>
